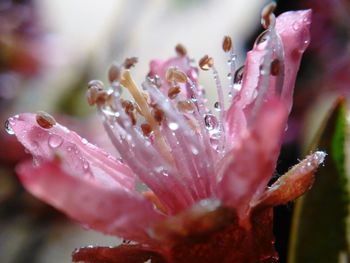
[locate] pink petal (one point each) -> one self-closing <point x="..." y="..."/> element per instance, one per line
<point x="292" y="184"/>
<point x="75" y="153"/>
<point x="246" y="169"/>
<point x="293" y="30"/>
<point x="109" y="209"/>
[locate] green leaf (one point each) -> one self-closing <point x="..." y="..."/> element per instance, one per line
<point x="320" y="220"/>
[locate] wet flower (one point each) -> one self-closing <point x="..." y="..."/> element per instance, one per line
<point x="206" y="174"/>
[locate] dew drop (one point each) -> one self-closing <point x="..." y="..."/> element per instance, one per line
<point x="264" y="36"/>
<point x="239" y="75"/>
<point x="217" y="106"/>
<point x="296" y="26"/>
<point x="55" y="141"/>
<point x="194" y="150"/>
<point x="86" y="166"/>
<point x="8" y="127"/>
<point x="229" y="76"/>
<point x="211" y="122"/>
<point x="84" y="141"/>
<point x="173" y="126"/>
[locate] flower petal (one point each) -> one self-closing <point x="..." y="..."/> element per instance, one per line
<point x="245" y="170"/>
<point x="109" y="209"/>
<point x="292" y="184"/>
<point x="292" y="30"/>
<point x="75" y="153"/>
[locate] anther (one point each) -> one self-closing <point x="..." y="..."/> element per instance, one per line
<point x="174" y="74"/>
<point x="173" y="91"/>
<point x="275" y="67"/>
<point x="186" y="106"/>
<point x="114" y="73"/>
<point x="132" y="117"/>
<point x="180" y="50"/>
<point x="130" y="62"/>
<point x="227" y="44"/>
<point x="128" y="105"/>
<point x="45" y="120"/>
<point x="206" y="62"/>
<point x="146" y="129"/>
<point x="96" y="83"/>
<point x="158" y="115"/>
<point x="267" y="15"/>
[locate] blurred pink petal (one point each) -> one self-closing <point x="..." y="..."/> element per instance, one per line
<point x="107" y="208"/>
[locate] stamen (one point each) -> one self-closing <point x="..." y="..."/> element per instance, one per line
<point x="158" y="115"/>
<point x="128" y="105"/>
<point x="227" y="47"/>
<point x="146" y="129"/>
<point x="186" y="106"/>
<point x="173" y="92"/>
<point x="267" y="17"/>
<point x="45" y="120"/>
<point x="96" y="94"/>
<point x="206" y="62"/>
<point x="130" y="62"/>
<point x="180" y="50"/>
<point x="128" y="82"/>
<point x="173" y="74"/>
<point x="114" y="73"/>
<point x="227" y="44"/>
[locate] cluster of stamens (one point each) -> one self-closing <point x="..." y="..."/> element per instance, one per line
<point x="182" y="93"/>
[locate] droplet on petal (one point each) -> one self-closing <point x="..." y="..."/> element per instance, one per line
<point x="239" y="75"/>
<point x="211" y="122"/>
<point x="8" y="127"/>
<point x="217" y="106"/>
<point x="55" y="141"/>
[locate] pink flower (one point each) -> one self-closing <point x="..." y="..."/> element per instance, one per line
<point x="207" y="197"/>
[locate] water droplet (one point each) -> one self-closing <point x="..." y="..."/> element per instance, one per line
<point x="264" y="36"/>
<point x="211" y="122"/>
<point x="296" y="26"/>
<point x="194" y="150"/>
<point x="173" y="126"/>
<point x="55" y="141"/>
<point x="239" y="75"/>
<point x="8" y="127"/>
<point x="84" y="141"/>
<point x="69" y="149"/>
<point x="229" y="76"/>
<point x="217" y="106"/>
<point x="86" y="166"/>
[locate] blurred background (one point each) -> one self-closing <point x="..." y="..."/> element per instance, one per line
<point x="50" y="49"/>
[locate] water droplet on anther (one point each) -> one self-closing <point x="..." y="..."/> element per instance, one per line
<point x="55" y="141"/>
<point x="8" y="127"/>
